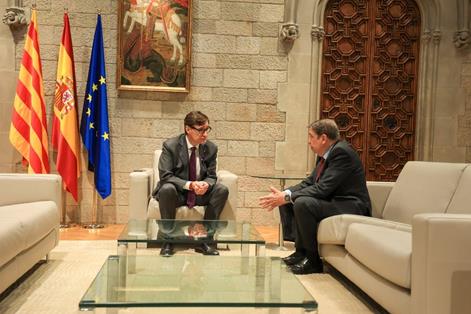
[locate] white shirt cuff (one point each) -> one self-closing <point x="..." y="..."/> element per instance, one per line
<point x="187" y="185"/>
<point x="289" y="193"/>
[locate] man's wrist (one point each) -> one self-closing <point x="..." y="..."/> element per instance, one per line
<point x="287" y="196"/>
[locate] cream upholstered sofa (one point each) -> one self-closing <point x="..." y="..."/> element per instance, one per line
<point x="142" y="205"/>
<point x="414" y="254"/>
<point x="29" y="222"/>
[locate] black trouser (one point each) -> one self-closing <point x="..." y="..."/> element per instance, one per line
<point x="303" y="217"/>
<point x="170" y="198"/>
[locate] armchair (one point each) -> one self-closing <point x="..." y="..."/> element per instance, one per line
<point x="142" y="205"/>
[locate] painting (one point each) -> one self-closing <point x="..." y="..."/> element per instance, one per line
<point x="154" y="40"/>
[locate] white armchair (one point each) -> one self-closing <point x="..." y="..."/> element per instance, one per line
<point x="142" y="205"/>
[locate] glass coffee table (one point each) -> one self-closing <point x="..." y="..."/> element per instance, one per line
<point x="191" y="232"/>
<point x="191" y="282"/>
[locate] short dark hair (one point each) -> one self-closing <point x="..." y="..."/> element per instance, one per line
<point x="327" y="127"/>
<point x="195" y="118"/>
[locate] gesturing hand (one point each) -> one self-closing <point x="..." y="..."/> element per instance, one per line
<point x="272" y="200"/>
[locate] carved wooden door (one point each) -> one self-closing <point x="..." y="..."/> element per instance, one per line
<point x="369" y="79"/>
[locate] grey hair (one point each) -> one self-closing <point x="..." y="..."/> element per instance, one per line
<point x="327" y="127"/>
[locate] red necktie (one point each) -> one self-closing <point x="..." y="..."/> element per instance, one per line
<point x="191" y="196"/>
<point x="320" y="168"/>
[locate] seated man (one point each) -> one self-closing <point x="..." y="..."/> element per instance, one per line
<point x="187" y="169"/>
<point x="336" y="186"/>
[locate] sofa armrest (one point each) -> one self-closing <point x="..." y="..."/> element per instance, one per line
<point x="18" y="188"/>
<point x="379" y="193"/>
<point x="140" y="189"/>
<point x="230" y="180"/>
<point x="441" y="263"/>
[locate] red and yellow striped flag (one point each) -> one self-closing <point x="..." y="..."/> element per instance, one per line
<point x="28" y="130"/>
<point x="65" y="136"/>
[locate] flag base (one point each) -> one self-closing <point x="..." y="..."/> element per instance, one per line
<point x="93" y="226"/>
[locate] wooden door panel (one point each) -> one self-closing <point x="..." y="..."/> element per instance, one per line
<point x="369" y="79"/>
<point x="345" y="68"/>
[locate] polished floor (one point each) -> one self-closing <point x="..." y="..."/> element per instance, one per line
<point x="111" y="232"/>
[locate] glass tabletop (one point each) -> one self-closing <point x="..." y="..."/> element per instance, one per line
<point x="197" y="281"/>
<point x="281" y="176"/>
<point x="189" y="231"/>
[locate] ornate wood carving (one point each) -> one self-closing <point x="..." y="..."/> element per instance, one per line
<point x="369" y="79"/>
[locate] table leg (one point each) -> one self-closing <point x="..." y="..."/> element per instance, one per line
<point x="280" y="246"/>
<point x="260" y="250"/>
<point x="131" y="257"/>
<point x="122" y="264"/>
<point x="245" y="236"/>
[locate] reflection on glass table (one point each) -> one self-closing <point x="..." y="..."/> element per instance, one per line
<point x="192" y="232"/>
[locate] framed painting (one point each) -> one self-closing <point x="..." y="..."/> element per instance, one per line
<point x="154" y="41"/>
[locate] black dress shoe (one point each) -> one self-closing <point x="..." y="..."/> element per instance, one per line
<point x="294" y="258"/>
<point x="307" y="266"/>
<point x="206" y="249"/>
<point x="166" y="250"/>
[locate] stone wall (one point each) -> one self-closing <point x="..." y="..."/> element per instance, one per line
<point x="259" y="94"/>
<point x="7" y="92"/>
<point x="237" y="65"/>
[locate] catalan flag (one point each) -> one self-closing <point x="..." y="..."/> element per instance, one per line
<point x="28" y="130"/>
<point x="94" y="126"/>
<point x="65" y="135"/>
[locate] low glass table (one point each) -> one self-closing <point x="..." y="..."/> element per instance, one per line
<point x="191" y="232"/>
<point x="192" y="282"/>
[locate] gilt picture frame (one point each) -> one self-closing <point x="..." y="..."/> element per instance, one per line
<point x="154" y="45"/>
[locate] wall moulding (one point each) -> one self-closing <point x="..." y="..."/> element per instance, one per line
<point x="290" y="29"/>
<point x="462" y="36"/>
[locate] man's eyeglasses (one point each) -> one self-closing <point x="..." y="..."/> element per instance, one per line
<point x="202" y="131"/>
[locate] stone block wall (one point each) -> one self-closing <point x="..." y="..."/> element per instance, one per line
<point x="7" y="93"/>
<point x="237" y="63"/>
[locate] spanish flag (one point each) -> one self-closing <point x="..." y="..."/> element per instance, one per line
<point x="65" y="136"/>
<point x="28" y="130"/>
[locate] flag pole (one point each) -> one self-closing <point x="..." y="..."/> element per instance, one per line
<point x="94" y="224"/>
<point x="64" y="224"/>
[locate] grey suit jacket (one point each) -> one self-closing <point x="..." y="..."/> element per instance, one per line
<point x="173" y="163"/>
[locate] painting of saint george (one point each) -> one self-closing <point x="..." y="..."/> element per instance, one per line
<point x="154" y="40"/>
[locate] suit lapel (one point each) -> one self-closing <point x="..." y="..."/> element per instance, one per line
<point x="203" y="152"/>
<point x="183" y="151"/>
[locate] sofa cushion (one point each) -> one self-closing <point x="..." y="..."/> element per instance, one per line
<point x="37" y="219"/>
<point x="12" y="240"/>
<point x="462" y="198"/>
<point x="333" y="230"/>
<point x="385" y="251"/>
<point x="422" y="187"/>
<point x="183" y="212"/>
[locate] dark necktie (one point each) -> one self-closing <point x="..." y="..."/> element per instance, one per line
<point x="320" y="168"/>
<point x="191" y="197"/>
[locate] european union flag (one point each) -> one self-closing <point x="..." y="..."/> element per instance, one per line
<point x="94" y="126"/>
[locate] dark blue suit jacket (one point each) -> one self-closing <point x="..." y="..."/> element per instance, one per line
<point x="342" y="182"/>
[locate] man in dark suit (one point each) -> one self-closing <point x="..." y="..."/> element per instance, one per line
<point x="187" y="169"/>
<point x="336" y="186"/>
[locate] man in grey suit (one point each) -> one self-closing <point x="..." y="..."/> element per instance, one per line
<point x="336" y="186"/>
<point x="187" y="169"/>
